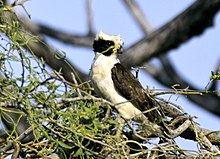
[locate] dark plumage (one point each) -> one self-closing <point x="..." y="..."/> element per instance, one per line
<point x="130" y="88"/>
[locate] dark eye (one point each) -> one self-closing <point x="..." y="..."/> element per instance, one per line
<point x="110" y="43"/>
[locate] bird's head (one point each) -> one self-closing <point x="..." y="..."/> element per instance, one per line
<point x="108" y="44"/>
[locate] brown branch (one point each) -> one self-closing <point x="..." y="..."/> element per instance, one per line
<point x="62" y="36"/>
<point x="138" y="15"/>
<point x="89" y="17"/>
<point x="16" y="151"/>
<point x="193" y="21"/>
<point x="67" y="38"/>
<point x="181" y="122"/>
<point x="168" y="76"/>
<point x="212" y="136"/>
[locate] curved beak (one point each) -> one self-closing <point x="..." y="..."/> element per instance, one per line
<point x="120" y="50"/>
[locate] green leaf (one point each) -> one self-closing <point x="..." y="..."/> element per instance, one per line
<point x="64" y="145"/>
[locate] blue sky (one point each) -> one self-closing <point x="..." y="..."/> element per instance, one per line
<point x="195" y="59"/>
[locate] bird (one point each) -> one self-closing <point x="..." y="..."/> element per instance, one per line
<point x="115" y="83"/>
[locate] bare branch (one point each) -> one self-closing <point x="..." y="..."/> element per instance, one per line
<point x="138" y="15"/>
<point x="209" y="137"/>
<point x="67" y="38"/>
<point x="197" y="18"/>
<point x="89" y="17"/>
<point x="168" y="76"/>
<point x="16" y="151"/>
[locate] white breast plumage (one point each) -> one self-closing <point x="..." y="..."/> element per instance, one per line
<point x="101" y="75"/>
<point x="104" y="86"/>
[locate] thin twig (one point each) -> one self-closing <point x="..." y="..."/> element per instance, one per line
<point x="60" y="78"/>
<point x="135" y="132"/>
<point x="180" y="129"/>
<point x="16" y="150"/>
<point x="76" y="83"/>
<point x="87" y="98"/>
<point x="203" y="140"/>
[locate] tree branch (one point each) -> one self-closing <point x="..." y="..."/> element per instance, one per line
<point x="193" y="21"/>
<point x="138" y="15"/>
<point x="67" y="38"/>
<point x="168" y="76"/>
<point x="89" y="17"/>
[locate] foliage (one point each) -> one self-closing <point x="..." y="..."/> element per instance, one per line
<point x="58" y="126"/>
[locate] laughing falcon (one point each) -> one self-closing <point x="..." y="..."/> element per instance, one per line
<point x="116" y="83"/>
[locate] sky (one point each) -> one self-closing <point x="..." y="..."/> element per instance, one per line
<point x="194" y="59"/>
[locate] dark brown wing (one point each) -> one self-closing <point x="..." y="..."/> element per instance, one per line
<point x="130" y="88"/>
